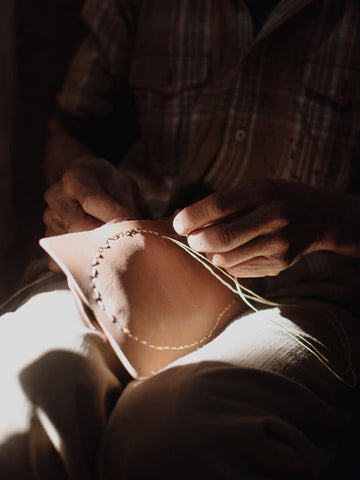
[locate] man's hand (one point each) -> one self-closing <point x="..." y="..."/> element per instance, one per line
<point x="90" y="193"/>
<point x="261" y="228"/>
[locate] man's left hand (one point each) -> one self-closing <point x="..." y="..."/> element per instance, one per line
<point x="260" y="228"/>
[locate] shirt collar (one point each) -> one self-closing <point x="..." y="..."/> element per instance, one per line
<point x="282" y="12"/>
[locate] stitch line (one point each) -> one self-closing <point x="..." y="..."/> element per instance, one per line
<point x="98" y="298"/>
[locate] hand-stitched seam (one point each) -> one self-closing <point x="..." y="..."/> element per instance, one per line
<point x="98" y="257"/>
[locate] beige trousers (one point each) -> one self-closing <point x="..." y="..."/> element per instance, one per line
<point x="252" y="404"/>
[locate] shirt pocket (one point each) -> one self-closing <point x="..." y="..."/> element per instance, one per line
<point x="327" y="125"/>
<point x="168" y="76"/>
<point x="328" y="100"/>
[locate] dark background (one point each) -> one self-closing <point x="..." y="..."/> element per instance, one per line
<point x="37" y="40"/>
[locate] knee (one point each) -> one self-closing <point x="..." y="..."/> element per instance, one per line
<point x="155" y="425"/>
<point x="203" y="420"/>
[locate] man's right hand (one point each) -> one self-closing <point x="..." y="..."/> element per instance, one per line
<point x="89" y="194"/>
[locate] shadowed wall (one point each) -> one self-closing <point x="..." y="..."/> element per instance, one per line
<point x="37" y="40"/>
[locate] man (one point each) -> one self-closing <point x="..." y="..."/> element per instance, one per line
<point x="248" y="123"/>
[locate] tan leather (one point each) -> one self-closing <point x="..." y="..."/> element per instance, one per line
<point x="146" y="284"/>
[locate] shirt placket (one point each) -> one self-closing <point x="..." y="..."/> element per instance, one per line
<point x="229" y="164"/>
<point x="234" y="156"/>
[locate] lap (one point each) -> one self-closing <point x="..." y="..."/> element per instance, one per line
<point x="254" y="386"/>
<point x="215" y="420"/>
<point x="229" y="409"/>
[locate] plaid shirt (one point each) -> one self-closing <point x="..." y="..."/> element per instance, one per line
<point x="216" y="105"/>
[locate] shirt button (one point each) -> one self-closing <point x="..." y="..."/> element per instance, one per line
<point x="240" y="135"/>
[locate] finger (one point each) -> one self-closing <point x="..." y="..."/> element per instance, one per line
<point x="101" y="206"/>
<point x="53" y="226"/>
<point x="231" y="234"/>
<point x="52" y="194"/>
<point x="83" y="224"/>
<point x="66" y="212"/>
<point x="60" y="203"/>
<point x="56" y="227"/>
<point x="258" y="267"/>
<point x="74" y="224"/>
<point x="220" y="205"/>
<point x="50" y="217"/>
<point x="86" y="189"/>
<point x="263" y="246"/>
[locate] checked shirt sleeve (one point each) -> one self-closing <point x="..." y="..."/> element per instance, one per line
<point x="100" y="66"/>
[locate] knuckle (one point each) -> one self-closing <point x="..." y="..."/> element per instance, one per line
<point x="277" y="263"/>
<point x="194" y="215"/>
<point x="219" y="202"/>
<point x="74" y="175"/>
<point x="92" y="199"/>
<point x="48" y="196"/>
<point x="51" y="194"/>
<point x="47" y="217"/>
<point x="220" y="260"/>
<point x="276" y="215"/>
<point x="68" y="176"/>
<point x="52" y="222"/>
<point x="226" y="236"/>
<point x="280" y="242"/>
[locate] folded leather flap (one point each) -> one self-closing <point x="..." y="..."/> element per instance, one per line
<point x="153" y="301"/>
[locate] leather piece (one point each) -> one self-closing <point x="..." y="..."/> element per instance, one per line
<point x="146" y="284"/>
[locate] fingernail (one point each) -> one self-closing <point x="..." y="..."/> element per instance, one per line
<point x="194" y="242"/>
<point x="178" y="227"/>
<point x="215" y="259"/>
